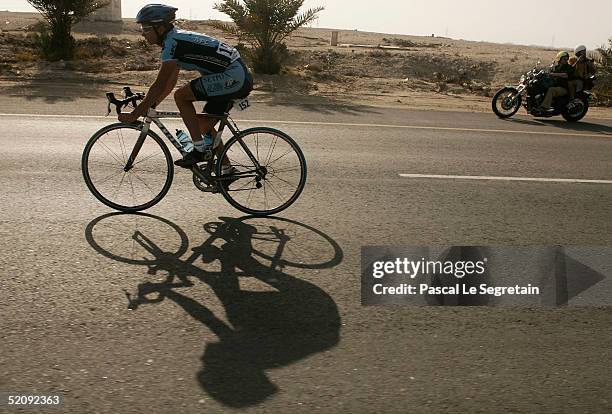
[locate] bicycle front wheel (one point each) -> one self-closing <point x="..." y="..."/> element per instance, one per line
<point x="270" y="171"/>
<point x="104" y="168"/>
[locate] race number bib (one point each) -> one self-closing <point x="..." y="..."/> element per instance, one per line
<point x="243" y="104"/>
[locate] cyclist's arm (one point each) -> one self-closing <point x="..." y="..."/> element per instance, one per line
<point x="171" y="83"/>
<point x="166" y="79"/>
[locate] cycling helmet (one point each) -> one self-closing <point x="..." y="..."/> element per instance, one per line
<point x="580" y="48"/>
<point x="562" y="54"/>
<point x="156" y="13"/>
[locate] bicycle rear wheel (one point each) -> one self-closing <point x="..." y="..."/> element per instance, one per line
<point x="271" y="171"/>
<point x="140" y="187"/>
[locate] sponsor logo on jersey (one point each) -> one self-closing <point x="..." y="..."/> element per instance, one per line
<point x="230" y="83"/>
<point x="214" y="87"/>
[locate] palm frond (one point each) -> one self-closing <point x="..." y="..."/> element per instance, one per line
<point x="266" y="23"/>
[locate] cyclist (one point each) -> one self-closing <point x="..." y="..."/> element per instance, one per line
<point x="223" y="77"/>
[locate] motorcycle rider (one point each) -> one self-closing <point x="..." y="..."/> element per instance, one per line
<point x="584" y="69"/>
<point x="562" y="72"/>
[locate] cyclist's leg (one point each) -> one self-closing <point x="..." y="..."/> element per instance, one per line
<point x="184" y="98"/>
<point x="219" y="90"/>
<point x="214" y="107"/>
<point x="202" y="89"/>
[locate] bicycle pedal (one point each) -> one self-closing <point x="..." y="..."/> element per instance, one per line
<point x="210" y="189"/>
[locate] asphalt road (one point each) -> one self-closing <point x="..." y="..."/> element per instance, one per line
<point x="265" y="314"/>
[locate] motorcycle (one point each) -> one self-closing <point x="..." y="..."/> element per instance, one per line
<point x="530" y="93"/>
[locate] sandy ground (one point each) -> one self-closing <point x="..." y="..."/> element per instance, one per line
<point x="373" y="69"/>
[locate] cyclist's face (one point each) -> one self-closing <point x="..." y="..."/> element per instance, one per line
<point x="149" y="33"/>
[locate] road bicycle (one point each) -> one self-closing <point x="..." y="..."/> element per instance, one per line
<point x="129" y="168"/>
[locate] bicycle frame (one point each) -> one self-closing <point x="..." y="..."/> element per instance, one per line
<point x="154" y="116"/>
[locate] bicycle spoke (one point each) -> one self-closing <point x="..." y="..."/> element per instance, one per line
<point x="278" y="158"/>
<point x="120" y="184"/>
<point x="147" y="158"/>
<point x="122" y="145"/>
<point x="271" y="152"/>
<point x="288" y="169"/>
<point x="244" y="186"/>
<point x="106" y="164"/>
<point x="132" y="186"/>
<point x="276" y="192"/>
<point x="278" y="178"/>
<point x="142" y="181"/>
<point x="238" y="164"/>
<point x="265" y="196"/>
<point x="249" y="196"/>
<point x="152" y="171"/>
<point x="111" y="176"/>
<point x="112" y="153"/>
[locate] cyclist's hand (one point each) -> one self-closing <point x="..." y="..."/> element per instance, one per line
<point x="127" y="117"/>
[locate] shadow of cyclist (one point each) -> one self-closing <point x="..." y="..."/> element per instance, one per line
<point x="266" y="329"/>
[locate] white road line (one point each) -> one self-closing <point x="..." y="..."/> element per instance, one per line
<point x="349" y="124"/>
<point x="485" y="177"/>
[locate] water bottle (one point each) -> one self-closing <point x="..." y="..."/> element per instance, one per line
<point x="185" y="141"/>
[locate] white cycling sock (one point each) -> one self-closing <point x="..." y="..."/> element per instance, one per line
<point x="208" y="139"/>
<point x="205" y="142"/>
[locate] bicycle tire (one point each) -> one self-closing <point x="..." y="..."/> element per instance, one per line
<point x="248" y="136"/>
<point x="99" y="194"/>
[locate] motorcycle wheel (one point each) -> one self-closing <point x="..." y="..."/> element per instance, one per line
<point x="506" y="102"/>
<point x="578" y="113"/>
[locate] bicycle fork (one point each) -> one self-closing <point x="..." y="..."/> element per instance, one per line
<point x="138" y="146"/>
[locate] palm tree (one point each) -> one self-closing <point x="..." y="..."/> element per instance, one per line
<point x="265" y="24"/>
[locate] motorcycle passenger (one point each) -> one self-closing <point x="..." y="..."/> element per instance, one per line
<point x="584" y="69"/>
<point x="562" y="72"/>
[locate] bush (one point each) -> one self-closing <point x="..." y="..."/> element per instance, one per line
<point x="603" y="87"/>
<point x="27" y="55"/>
<point x="142" y="44"/>
<point x="55" y="38"/>
<point x="379" y="54"/>
<point x="98" y="47"/>
<point x="52" y="48"/>
<point x="399" y="42"/>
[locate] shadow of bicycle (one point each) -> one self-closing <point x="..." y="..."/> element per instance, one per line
<point x="267" y="329"/>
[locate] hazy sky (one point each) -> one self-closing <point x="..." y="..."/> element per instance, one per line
<point x="543" y="22"/>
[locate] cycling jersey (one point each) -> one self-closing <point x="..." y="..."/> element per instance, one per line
<point x="195" y="51"/>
